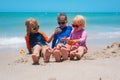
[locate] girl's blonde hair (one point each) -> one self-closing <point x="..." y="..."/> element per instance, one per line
<point x="80" y="19"/>
<point x="31" y="21"/>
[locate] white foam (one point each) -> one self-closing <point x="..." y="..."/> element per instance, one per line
<point x="11" y="41"/>
<point x="104" y="35"/>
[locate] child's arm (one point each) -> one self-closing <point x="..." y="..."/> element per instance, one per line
<point x="72" y="42"/>
<point x="51" y="37"/>
<point x="84" y="37"/>
<point x="48" y="40"/>
<point x="54" y="41"/>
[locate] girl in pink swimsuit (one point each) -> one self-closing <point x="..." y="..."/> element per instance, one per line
<point x="76" y="43"/>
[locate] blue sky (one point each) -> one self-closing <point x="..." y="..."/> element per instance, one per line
<point x="59" y="5"/>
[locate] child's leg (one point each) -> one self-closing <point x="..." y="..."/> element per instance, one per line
<point x="46" y="53"/>
<point x="35" y="55"/>
<point x="64" y="53"/>
<point x="80" y="52"/>
<point x="72" y="52"/>
<point x="65" y="49"/>
<point x="57" y="54"/>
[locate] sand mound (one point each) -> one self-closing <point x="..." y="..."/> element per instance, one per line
<point x="109" y="51"/>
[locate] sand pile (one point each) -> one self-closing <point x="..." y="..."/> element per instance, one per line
<point x="109" y="51"/>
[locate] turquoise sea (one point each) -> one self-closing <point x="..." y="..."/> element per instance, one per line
<point x="102" y="28"/>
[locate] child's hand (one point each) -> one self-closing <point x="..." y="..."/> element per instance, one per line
<point x="64" y="39"/>
<point x="57" y="30"/>
<point x="71" y="42"/>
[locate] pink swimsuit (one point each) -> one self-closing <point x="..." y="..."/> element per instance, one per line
<point x="81" y="35"/>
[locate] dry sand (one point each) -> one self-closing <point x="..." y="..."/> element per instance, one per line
<point x="102" y="64"/>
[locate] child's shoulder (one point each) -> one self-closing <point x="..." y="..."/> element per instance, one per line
<point x="27" y="35"/>
<point x="43" y="35"/>
<point x="69" y="27"/>
<point x="41" y="32"/>
<point x="84" y="30"/>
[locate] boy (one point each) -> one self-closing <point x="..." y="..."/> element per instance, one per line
<point x="59" y="51"/>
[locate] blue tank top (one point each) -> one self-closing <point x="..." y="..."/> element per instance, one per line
<point x="36" y="38"/>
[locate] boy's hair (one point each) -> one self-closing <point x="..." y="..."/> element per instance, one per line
<point x="80" y="19"/>
<point x="61" y="14"/>
<point x="31" y="21"/>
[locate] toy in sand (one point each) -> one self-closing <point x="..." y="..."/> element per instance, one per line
<point x="22" y="51"/>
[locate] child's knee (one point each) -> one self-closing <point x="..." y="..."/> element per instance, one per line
<point x="36" y="54"/>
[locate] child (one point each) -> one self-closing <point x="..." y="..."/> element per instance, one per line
<point x="59" y="51"/>
<point x="77" y="40"/>
<point x="37" y="41"/>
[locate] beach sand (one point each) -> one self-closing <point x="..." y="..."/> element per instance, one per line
<point x="97" y="64"/>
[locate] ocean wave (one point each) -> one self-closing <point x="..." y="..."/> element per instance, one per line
<point x="104" y="35"/>
<point x="20" y="40"/>
<point x="11" y="41"/>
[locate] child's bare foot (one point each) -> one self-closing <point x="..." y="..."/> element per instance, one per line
<point x="47" y="55"/>
<point x="36" y="64"/>
<point x="72" y="55"/>
<point x="64" y="53"/>
<point x="35" y="59"/>
<point x="57" y="55"/>
<point x="73" y="48"/>
<point x="78" y="57"/>
<point x="71" y="58"/>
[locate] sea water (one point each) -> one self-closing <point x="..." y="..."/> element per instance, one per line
<point x="102" y="28"/>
